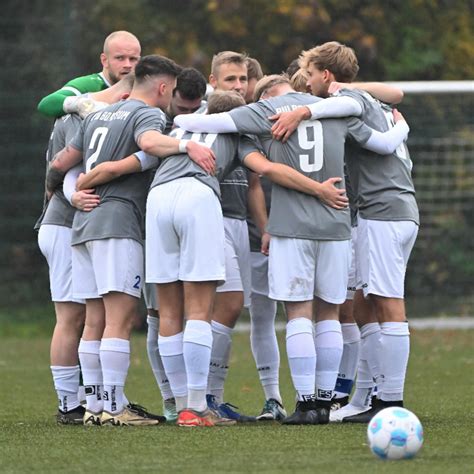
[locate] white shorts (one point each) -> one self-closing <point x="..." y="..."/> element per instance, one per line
<point x="185" y="233"/>
<point x="150" y="296"/>
<point x="259" y="266"/>
<point x="383" y="250"/>
<point x="353" y="284"/>
<point x="102" y="266"/>
<point x="300" y="269"/>
<point x="55" y="244"/>
<point x="237" y="258"/>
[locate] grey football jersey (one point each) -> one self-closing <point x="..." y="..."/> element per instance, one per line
<point x="234" y="187"/>
<point x="58" y="211"/>
<point x="234" y="193"/>
<point x="316" y="149"/>
<point x="230" y="151"/>
<point x="110" y="135"/>
<point x="384" y="185"/>
<point x="351" y="193"/>
<point x="169" y="124"/>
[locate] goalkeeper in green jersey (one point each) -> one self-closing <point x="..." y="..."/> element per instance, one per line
<point x="119" y="57"/>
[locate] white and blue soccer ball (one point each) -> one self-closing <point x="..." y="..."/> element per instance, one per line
<point x="395" y="433"/>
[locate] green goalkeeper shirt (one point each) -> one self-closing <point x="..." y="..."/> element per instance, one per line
<point x="52" y="104"/>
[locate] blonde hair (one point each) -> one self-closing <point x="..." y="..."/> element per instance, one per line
<point x="254" y="70"/>
<point x="299" y="79"/>
<point x="226" y="57"/>
<point x="337" y="58"/>
<point x="267" y="82"/>
<point x="223" y="101"/>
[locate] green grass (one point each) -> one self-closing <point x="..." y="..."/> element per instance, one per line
<point x="439" y="391"/>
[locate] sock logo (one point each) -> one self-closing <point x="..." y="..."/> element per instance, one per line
<point x="309" y="398"/>
<point x="106" y="395"/>
<point x="261" y="369"/>
<point x="324" y="394"/>
<point x="218" y="366"/>
<point x="113" y="405"/>
<point x="368" y="396"/>
<point x="89" y="389"/>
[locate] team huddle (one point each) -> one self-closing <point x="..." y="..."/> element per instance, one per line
<point x="292" y="187"/>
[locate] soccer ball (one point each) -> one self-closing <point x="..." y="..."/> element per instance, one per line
<point x="395" y="433"/>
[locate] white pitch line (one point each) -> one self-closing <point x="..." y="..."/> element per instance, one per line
<point x="441" y="324"/>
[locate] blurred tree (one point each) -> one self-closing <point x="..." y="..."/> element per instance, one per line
<point x="44" y="44"/>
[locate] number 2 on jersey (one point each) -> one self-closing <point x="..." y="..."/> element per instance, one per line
<point x="99" y="134"/>
<point x="310" y="138"/>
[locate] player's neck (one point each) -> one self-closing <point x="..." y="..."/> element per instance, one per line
<point x="136" y="95"/>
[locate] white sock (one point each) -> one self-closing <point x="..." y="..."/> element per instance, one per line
<point x="301" y="356"/>
<point x="89" y="357"/>
<point x="197" y="345"/>
<point x="349" y="359"/>
<point x="264" y="344"/>
<point x="115" y="360"/>
<point x="395" y="350"/>
<point x="81" y="391"/>
<point x="364" y="385"/>
<point x="155" y="358"/>
<point x="328" y="343"/>
<point x="171" y="350"/>
<point x="370" y="340"/>
<point x="220" y="354"/>
<point x="66" y="383"/>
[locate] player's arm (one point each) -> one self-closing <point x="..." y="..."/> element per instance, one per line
<point x="385" y="143"/>
<point x="63" y="161"/>
<point x="256" y="202"/>
<point x="213" y="123"/>
<point x="258" y="209"/>
<point x="84" y="200"/>
<point x="379" y="90"/>
<point x="155" y="143"/>
<point x="333" y="107"/>
<point x="61" y="101"/>
<point x="110" y="170"/>
<point x="288" y="177"/>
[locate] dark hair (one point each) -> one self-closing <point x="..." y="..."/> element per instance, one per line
<point x="155" y="65"/>
<point x="223" y="101"/>
<point x="292" y="68"/>
<point x="190" y="84"/>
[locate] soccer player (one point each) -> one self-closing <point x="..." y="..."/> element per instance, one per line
<point x="310" y="247"/>
<point x="120" y="55"/>
<point x="185" y="255"/>
<point x="240" y="190"/>
<point x="107" y="242"/>
<point x="187" y="98"/>
<point x="388" y="213"/>
<point x="54" y="239"/>
<point x="262" y="309"/>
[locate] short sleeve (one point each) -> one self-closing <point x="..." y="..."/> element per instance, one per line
<point x="246" y="146"/>
<point x="149" y="119"/>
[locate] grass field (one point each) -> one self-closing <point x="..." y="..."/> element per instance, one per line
<point x="439" y="391"/>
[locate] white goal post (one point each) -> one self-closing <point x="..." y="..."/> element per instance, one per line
<point x="434" y="87"/>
